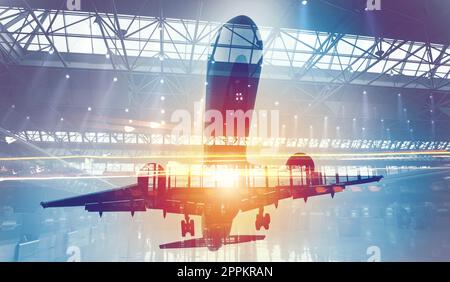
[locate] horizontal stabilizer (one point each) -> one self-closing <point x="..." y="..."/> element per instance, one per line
<point x="202" y="242"/>
<point x="236" y="239"/>
<point x="192" y="243"/>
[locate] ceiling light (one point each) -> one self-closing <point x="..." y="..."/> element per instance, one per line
<point x="154" y="124"/>
<point x="10" y="139"/>
<point x="379" y="53"/>
<point x="128" y="128"/>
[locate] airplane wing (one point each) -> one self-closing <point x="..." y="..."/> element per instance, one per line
<point x="128" y="198"/>
<point x="136" y="198"/>
<point x="271" y="196"/>
<point x="192" y="201"/>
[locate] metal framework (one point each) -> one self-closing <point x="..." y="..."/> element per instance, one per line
<point x="164" y="46"/>
<point x="133" y="140"/>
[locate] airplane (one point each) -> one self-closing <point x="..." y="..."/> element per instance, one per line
<point x="233" y="72"/>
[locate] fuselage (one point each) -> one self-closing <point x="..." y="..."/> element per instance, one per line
<point x="216" y="225"/>
<point x="233" y="71"/>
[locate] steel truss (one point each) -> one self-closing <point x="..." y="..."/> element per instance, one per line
<point x="136" y="140"/>
<point x="164" y="46"/>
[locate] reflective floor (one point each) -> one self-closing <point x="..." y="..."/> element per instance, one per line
<point x="388" y="225"/>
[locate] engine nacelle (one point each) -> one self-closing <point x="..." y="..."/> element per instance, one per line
<point x="301" y="160"/>
<point x="306" y="165"/>
<point x="152" y="177"/>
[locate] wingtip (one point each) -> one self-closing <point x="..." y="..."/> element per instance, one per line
<point x="44" y="205"/>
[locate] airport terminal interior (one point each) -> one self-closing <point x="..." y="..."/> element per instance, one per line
<point x="91" y="91"/>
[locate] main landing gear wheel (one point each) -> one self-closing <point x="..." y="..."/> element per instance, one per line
<point x="266" y="221"/>
<point x="262" y="221"/>
<point x="187" y="226"/>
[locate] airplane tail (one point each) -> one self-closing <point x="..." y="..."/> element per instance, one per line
<point x="203" y="242"/>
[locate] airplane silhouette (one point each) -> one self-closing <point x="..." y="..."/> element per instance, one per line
<point x="233" y="72"/>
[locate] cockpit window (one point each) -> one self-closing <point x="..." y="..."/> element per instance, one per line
<point x="237" y="43"/>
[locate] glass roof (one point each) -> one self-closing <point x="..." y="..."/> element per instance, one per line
<point x="178" y="39"/>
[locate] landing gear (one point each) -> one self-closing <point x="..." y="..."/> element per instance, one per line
<point x="262" y="220"/>
<point x="187" y="226"/>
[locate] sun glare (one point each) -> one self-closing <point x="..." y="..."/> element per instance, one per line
<point x="227" y="178"/>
